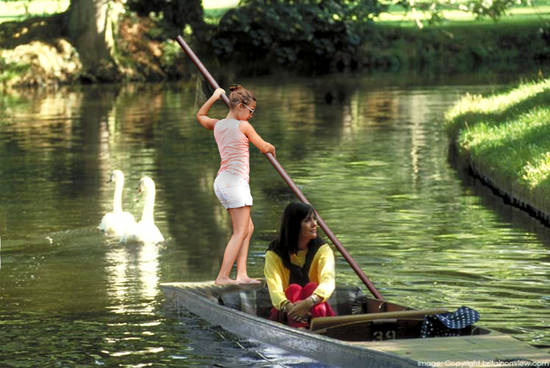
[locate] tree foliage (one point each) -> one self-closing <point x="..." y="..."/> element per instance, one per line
<point x="324" y="34"/>
<point x="173" y="15"/>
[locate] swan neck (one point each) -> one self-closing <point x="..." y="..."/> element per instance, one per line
<point x="149" y="207"/>
<point x="117" y="200"/>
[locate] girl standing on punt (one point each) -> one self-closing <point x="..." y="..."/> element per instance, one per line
<point x="233" y="135"/>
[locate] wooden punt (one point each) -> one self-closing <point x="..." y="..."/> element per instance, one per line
<point x="366" y="333"/>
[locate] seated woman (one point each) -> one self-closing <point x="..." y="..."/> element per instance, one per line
<point x="299" y="269"/>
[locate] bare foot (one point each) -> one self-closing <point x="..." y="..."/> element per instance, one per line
<point x="225" y="281"/>
<point x="248" y="280"/>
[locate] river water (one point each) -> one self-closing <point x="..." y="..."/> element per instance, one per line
<point x="369" y="151"/>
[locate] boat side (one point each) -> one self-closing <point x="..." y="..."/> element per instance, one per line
<point x="301" y="342"/>
<point x="482" y="347"/>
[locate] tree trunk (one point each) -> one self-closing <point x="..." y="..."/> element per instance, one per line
<point x="91" y="26"/>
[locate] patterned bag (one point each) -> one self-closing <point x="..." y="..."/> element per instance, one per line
<point x="448" y="324"/>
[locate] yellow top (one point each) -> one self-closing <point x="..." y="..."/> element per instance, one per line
<point x="321" y="272"/>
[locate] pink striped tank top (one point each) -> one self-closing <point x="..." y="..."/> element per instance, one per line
<point x="233" y="148"/>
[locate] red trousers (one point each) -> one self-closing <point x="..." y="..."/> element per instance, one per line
<point x="295" y="293"/>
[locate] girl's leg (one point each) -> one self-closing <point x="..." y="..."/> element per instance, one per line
<point x="308" y="289"/>
<point x="242" y="275"/>
<point x="293" y="292"/>
<point x="240" y="217"/>
<point x="321" y="309"/>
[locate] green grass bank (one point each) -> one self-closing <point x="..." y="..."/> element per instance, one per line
<point x="504" y="139"/>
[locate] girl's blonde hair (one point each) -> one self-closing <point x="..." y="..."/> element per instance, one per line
<point x="239" y="95"/>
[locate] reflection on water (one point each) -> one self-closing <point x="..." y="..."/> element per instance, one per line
<point x="138" y="263"/>
<point x="369" y="152"/>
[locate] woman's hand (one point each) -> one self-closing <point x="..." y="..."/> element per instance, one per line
<point x="300" y="310"/>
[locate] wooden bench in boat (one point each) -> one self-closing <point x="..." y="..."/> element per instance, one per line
<point x="322" y="324"/>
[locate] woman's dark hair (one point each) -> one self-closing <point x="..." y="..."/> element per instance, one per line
<point x="240" y="95"/>
<point x="291" y="223"/>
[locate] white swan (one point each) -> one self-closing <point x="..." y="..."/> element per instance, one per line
<point x="117" y="221"/>
<point x="145" y="231"/>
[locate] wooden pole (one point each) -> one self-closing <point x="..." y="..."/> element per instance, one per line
<point x="287" y="179"/>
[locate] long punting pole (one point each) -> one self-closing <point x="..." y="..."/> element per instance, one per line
<point x="287" y="178"/>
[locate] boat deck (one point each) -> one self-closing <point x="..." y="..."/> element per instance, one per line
<point x="492" y="350"/>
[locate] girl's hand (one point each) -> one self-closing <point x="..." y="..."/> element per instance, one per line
<point x="217" y="93"/>
<point x="269" y="148"/>
<point x="202" y="114"/>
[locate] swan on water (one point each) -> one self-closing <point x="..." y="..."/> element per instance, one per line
<point x="145" y="231"/>
<point x="117" y="222"/>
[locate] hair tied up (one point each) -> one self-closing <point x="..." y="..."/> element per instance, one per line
<point x="239" y="95"/>
<point x="234" y="87"/>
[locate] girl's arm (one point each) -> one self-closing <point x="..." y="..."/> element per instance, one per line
<point x="273" y="272"/>
<point x="326" y="272"/>
<point x="202" y="114"/>
<point x="264" y="147"/>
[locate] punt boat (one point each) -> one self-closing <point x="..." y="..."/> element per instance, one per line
<point x="366" y="332"/>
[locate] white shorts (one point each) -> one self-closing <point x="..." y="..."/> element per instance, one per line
<point x="233" y="191"/>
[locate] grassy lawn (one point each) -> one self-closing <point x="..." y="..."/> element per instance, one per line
<point x="538" y="11"/>
<point x="19" y="10"/>
<point x="214" y="9"/>
<point x="506" y="137"/>
<point x="217" y="4"/>
<point x="455" y="17"/>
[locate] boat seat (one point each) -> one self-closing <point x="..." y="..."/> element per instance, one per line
<point x="346" y="299"/>
<point x="321" y="324"/>
<point x="255" y="300"/>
